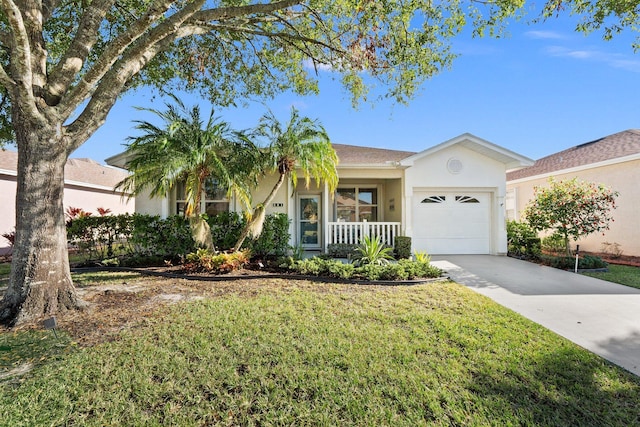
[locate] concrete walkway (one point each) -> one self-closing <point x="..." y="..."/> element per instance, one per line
<point x="600" y="316"/>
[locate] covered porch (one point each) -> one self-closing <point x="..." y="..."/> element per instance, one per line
<point x="360" y="207"/>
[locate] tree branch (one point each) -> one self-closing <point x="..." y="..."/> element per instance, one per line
<point x="142" y="50"/>
<point x="74" y="58"/>
<point x="116" y="47"/>
<point x="5" y="80"/>
<point x="21" y="60"/>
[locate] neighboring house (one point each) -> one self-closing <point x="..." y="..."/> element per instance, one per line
<point x="448" y="198"/>
<point x="613" y="161"/>
<point x="88" y="185"/>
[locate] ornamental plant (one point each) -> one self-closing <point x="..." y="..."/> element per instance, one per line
<point x="372" y="251"/>
<point x="573" y="209"/>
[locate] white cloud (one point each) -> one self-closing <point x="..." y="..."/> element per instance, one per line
<point x="308" y="63"/>
<point x="547" y="35"/>
<point x="614" y="60"/>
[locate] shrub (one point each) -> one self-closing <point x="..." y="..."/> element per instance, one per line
<point x="274" y="239"/>
<point x="372" y="251"/>
<point x="522" y="240"/>
<point x="341" y="250"/>
<point x="568" y="263"/>
<point x="99" y="237"/>
<point x="169" y="237"/>
<point x="553" y="243"/>
<point x="369" y="272"/>
<point x="205" y="260"/>
<point x="422" y="257"/>
<point x="402" y="247"/>
<point x="402" y="270"/>
<point x="225" y="229"/>
<point x="309" y="267"/>
<point x="590" y="261"/>
<point x="341" y="270"/>
<point x="417" y="269"/>
<point x="392" y="272"/>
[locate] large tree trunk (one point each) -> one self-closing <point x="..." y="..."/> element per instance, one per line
<point x="40" y="282"/>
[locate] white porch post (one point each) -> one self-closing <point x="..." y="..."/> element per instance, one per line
<point x="164" y="207"/>
<point x="407" y="213"/>
<point x="291" y="212"/>
<point x="326" y="216"/>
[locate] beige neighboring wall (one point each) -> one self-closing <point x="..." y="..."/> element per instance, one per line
<point x="623" y="177"/>
<point x="88" y="185"/>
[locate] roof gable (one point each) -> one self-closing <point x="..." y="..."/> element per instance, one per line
<point x="618" y="145"/>
<point x="510" y="159"/>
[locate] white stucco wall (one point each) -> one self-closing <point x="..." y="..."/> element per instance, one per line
<point x="154" y="206"/>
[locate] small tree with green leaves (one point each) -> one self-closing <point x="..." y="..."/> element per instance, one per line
<point x="573" y="209"/>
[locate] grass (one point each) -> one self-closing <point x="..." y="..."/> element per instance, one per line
<point x="622" y="274"/>
<point x="434" y="354"/>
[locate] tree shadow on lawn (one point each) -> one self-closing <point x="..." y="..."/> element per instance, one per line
<point x="563" y="388"/>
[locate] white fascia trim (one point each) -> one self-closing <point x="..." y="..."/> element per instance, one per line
<point x="370" y="166"/>
<point x="609" y="162"/>
<point x="87" y="185"/>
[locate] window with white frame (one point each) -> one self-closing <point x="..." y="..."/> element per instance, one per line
<point x="356" y="204"/>
<point x="214" y="198"/>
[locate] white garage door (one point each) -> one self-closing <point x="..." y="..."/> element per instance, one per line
<point x="452" y="222"/>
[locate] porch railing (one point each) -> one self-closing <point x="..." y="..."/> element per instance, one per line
<point x="353" y="232"/>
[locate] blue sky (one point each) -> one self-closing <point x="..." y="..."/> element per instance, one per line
<point x="542" y="89"/>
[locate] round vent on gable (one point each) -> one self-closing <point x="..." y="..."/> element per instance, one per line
<point x="454" y="165"/>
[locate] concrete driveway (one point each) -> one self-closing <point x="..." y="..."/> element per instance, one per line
<point x="601" y="316"/>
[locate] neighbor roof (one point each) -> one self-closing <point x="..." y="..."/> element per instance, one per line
<point x="356" y="155"/>
<point x="610" y="147"/>
<point x="76" y="171"/>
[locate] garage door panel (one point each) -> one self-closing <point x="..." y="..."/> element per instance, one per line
<point x="448" y="225"/>
<point x="451" y="246"/>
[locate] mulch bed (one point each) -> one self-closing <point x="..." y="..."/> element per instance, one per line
<point x="632" y="261"/>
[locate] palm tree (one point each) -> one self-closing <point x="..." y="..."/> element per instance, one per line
<point x="187" y="149"/>
<point x="303" y="145"/>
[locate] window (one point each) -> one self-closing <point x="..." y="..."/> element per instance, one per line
<point x="214" y="200"/>
<point x="466" y="199"/>
<point x="357" y="204"/>
<point x="434" y="199"/>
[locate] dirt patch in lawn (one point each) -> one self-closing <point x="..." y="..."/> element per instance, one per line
<point x="116" y="306"/>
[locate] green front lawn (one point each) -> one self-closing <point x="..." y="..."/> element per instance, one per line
<point x="325" y="354"/>
<point x="623" y="274"/>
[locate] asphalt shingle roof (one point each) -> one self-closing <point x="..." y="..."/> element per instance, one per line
<point x="86" y="171"/>
<point x="356" y="155"/>
<point x="614" y="146"/>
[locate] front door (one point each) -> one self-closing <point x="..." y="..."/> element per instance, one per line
<point x="309" y="221"/>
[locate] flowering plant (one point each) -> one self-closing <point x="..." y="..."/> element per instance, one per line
<point x="571" y="208"/>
